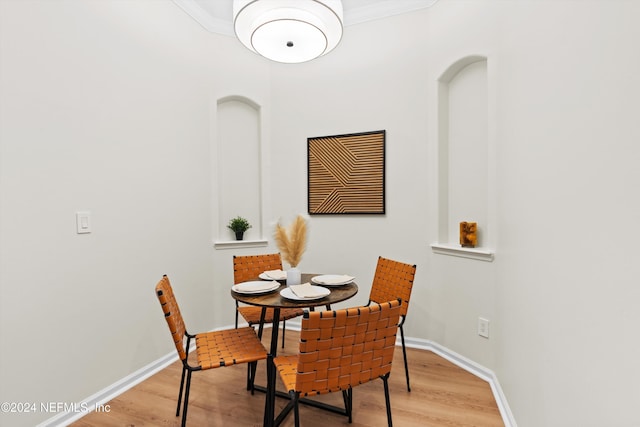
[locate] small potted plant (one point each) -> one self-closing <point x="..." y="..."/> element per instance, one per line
<point x="239" y="225"/>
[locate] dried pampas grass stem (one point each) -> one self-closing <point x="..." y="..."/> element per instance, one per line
<point x="292" y="243"/>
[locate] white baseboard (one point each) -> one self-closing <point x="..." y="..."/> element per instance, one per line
<point x="105" y="395"/>
<point x="100" y="398"/>
<point x="472" y="367"/>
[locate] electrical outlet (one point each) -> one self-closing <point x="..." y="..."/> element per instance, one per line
<point x="483" y="327"/>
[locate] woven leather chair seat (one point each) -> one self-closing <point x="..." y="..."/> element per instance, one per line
<point x="213" y="349"/>
<point x="228" y="347"/>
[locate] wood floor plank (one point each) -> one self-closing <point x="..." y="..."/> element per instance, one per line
<point x="442" y="395"/>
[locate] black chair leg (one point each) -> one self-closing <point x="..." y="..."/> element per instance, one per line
<point x="271" y="394"/>
<point x="251" y="376"/>
<point x="253" y="366"/>
<point x="347" y="396"/>
<point x="248" y="376"/>
<point x="263" y="314"/>
<point x="284" y="324"/>
<point x="404" y="355"/>
<point x="181" y="388"/>
<point x="385" y="380"/>
<point x="260" y="329"/>
<point x="186" y="400"/>
<point x="296" y="411"/>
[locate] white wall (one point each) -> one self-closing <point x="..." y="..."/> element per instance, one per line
<point x="562" y="92"/>
<point x="111" y="106"/>
<point x="104" y="106"/>
<point x="565" y="288"/>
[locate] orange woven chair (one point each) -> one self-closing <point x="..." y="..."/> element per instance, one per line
<point x="213" y="349"/>
<point x="248" y="267"/>
<point x="339" y="350"/>
<point x="393" y="280"/>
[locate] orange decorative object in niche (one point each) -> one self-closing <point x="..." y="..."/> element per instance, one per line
<point x="468" y="234"/>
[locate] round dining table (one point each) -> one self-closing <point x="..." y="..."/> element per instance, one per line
<point x="274" y="300"/>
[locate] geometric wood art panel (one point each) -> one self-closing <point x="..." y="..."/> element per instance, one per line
<point x="346" y="174"/>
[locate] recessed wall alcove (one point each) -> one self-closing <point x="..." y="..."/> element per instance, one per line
<point x="464" y="157"/>
<point x="237" y="159"/>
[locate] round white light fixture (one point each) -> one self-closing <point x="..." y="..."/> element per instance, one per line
<point x="289" y="31"/>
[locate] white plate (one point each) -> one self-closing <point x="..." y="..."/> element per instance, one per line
<point x="264" y="276"/>
<point x="255" y="287"/>
<point x="333" y="279"/>
<point x="289" y="294"/>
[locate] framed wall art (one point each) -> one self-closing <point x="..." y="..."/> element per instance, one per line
<point x="346" y="174"/>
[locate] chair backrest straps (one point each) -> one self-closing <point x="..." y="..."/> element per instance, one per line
<point x="172" y="315"/>
<point x="392" y="280"/>
<point x="248" y="267"/>
<point x="340" y="349"/>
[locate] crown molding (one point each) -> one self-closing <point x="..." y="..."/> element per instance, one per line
<point x="383" y="9"/>
<point x="352" y="15"/>
<point x="211" y="23"/>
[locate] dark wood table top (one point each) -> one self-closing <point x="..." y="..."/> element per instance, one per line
<point x="273" y="298"/>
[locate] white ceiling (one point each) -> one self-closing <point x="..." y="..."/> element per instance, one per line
<point x="217" y="15"/>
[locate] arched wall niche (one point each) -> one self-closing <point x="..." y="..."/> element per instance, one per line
<point x="457" y="66"/>
<point x="463" y="156"/>
<point x="239" y="98"/>
<point x="238" y="168"/>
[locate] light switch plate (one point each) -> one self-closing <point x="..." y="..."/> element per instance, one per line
<point x="483" y="327"/>
<point x="83" y="222"/>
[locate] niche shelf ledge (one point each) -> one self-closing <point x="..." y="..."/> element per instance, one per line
<point x="233" y="244"/>
<point x="481" y="254"/>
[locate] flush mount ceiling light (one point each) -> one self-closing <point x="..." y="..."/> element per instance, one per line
<point x="289" y="31"/>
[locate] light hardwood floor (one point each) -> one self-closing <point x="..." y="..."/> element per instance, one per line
<point x="441" y="395"/>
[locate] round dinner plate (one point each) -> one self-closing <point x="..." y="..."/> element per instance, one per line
<point x="289" y="294"/>
<point x="255" y="287"/>
<point x="331" y="280"/>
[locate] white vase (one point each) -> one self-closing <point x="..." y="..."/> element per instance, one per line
<point x="293" y="276"/>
